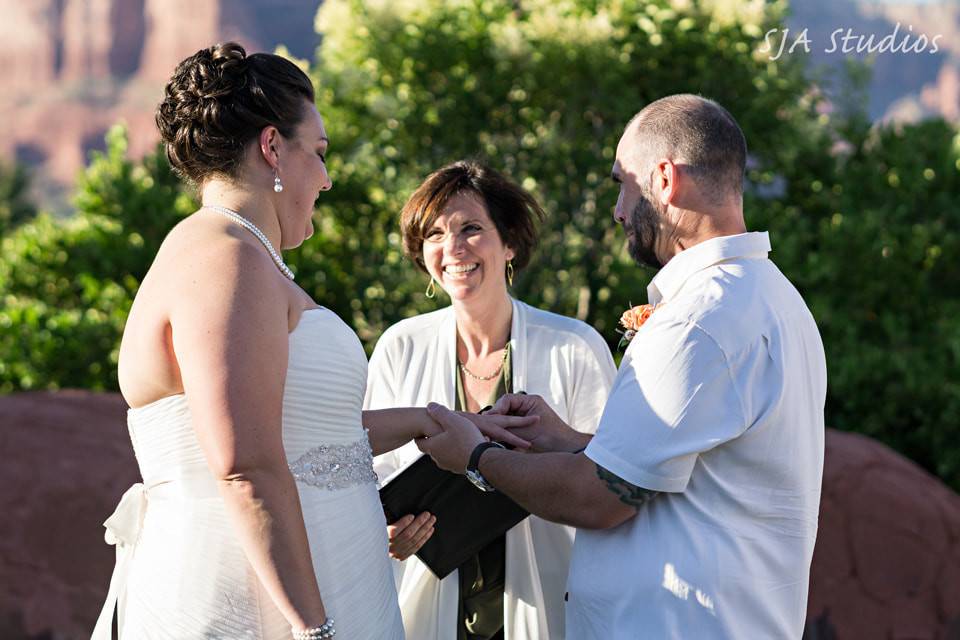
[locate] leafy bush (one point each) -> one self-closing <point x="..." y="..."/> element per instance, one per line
<point x="15" y="204"/>
<point x="67" y="285"/>
<point x="543" y="93"/>
<point x="46" y="346"/>
<point x="862" y="220"/>
<point x="867" y="243"/>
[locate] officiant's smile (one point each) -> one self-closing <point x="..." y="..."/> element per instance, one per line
<point x="463" y="247"/>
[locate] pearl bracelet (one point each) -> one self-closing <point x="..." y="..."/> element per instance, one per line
<point x="325" y="630"/>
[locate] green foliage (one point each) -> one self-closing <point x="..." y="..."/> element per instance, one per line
<point x="67" y="285"/>
<point x="45" y="346"/>
<point x="15" y="204"/>
<point x="542" y="93"/>
<point x="866" y="237"/>
<point x="862" y="220"/>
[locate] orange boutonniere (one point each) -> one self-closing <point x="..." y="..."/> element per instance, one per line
<point x="632" y="319"/>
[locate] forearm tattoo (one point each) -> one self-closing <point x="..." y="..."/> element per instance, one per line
<point x="629" y="494"/>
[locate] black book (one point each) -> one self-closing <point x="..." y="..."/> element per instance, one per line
<point x="468" y="519"/>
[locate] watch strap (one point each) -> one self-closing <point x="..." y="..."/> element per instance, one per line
<point x="473" y="464"/>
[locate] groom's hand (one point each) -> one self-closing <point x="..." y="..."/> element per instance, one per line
<point x="549" y="433"/>
<point x="451" y="449"/>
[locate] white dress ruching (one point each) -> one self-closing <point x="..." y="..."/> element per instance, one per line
<point x="181" y="572"/>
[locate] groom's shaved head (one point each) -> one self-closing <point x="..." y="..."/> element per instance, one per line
<point x="697" y="134"/>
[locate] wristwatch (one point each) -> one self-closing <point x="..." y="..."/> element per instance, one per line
<point x="473" y="472"/>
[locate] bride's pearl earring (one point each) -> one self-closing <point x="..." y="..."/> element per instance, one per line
<point x="276" y="182"/>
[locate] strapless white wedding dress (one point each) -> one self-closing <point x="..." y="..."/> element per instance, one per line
<point x="181" y="573"/>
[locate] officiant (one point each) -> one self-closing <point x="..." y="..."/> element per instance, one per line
<point x="471" y="231"/>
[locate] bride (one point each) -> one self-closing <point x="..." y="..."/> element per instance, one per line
<point x="258" y="515"/>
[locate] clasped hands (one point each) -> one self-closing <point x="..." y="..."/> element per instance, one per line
<point x="524" y="422"/>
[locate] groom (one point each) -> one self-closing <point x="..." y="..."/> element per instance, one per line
<point x="697" y="499"/>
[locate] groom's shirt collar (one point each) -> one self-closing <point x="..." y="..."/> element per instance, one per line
<point x="671" y="278"/>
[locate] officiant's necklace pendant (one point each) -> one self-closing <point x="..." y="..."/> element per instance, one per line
<point x="493" y="375"/>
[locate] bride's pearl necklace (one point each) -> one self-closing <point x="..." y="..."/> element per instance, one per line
<point x="252" y="228"/>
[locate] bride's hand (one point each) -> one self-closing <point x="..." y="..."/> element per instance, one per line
<point x="428" y="428"/>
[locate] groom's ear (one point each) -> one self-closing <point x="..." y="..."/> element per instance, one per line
<point x="667" y="177"/>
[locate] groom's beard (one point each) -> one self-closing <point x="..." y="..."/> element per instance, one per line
<point x="644" y="224"/>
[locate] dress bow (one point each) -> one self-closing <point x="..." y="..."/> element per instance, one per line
<point x="122" y="529"/>
<point x="123" y="526"/>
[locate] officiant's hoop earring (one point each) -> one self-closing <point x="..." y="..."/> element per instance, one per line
<point x="510" y="272"/>
<point x="431" y="291"/>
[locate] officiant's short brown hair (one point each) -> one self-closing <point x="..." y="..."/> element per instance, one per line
<point x="513" y="210"/>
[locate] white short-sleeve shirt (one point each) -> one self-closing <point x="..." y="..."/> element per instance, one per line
<point x="718" y="404"/>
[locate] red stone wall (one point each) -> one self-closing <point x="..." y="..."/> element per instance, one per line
<point x="66" y="461"/>
<point x="886" y="565"/>
<point x="887" y="560"/>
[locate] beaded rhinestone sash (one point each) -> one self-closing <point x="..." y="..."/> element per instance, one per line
<point x="336" y="466"/>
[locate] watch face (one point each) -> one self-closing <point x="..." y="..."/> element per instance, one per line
<point x="478" y="481"/>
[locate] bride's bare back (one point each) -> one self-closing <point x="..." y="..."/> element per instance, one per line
<point x="202" y="246"/>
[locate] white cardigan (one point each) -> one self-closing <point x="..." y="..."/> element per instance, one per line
<point x="562" y="359"/>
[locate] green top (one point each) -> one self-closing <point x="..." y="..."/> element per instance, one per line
<point x="482" y="577"/>
<point x="504" y="384"/>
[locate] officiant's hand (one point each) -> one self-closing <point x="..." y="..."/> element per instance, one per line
<point x="549" y="433"/>
<point x="408" y="534"/>
<point x="451" y="449"/>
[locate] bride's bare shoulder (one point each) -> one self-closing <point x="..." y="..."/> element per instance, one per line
<point x="195" y="231"/>
<point x="211" y="243"/>
<point x="209" y="257"/>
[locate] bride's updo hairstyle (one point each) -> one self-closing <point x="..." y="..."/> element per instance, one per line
<point x="219" y="99"/>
